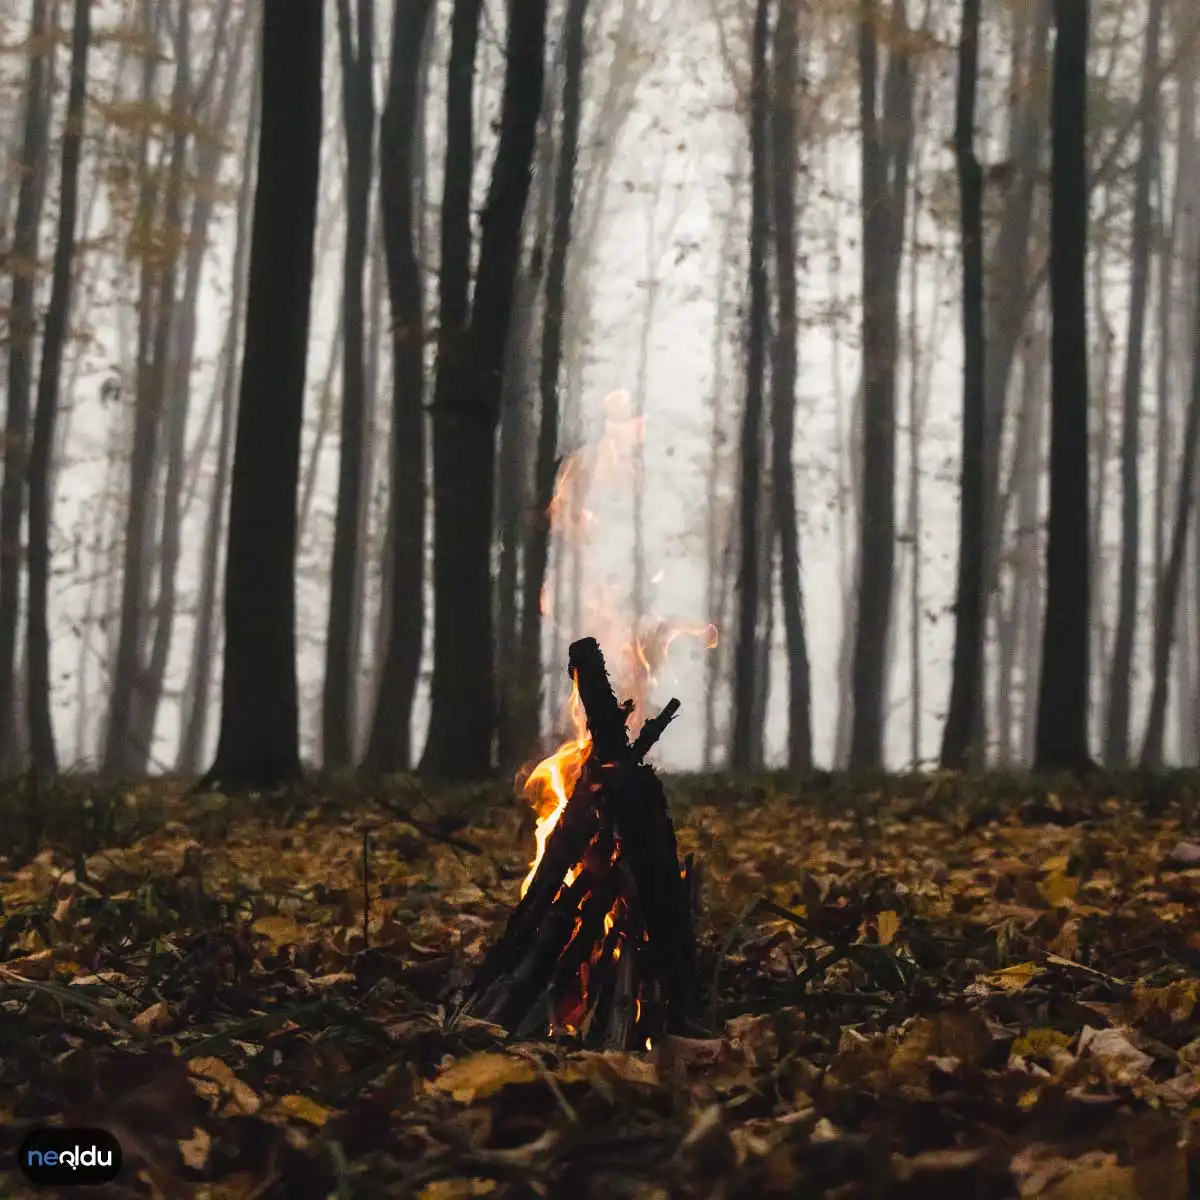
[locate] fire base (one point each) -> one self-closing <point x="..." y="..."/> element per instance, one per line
<point x="602" y="945"/>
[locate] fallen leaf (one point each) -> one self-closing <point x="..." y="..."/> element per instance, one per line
<point x="305" y="1109"/>
<point x="481" y="1075"/>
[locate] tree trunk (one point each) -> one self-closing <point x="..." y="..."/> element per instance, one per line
<point x="1062" y="723"/>
<point x="193" y="746"/>
<point x="466" y="414"/>
<point x="749" y="584"/>
<point x="41" y="723"/>
<point x="389" y="747"/>
<point x="356" y="42"/>
<point x="156" y="300"/>
<point x="22" y="323"/>
<point x="1116" y="741"/>
<point x="963" y="738"/>
<point x="886" y="145"/>
<point x="783" y="386"/>
<point x="259" y="740"/>
<point x="550" y="371"/>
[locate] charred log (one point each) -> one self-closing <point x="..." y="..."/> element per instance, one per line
<point x="602" y="943"/>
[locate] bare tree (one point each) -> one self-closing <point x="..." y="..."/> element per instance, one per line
<point x="749" y="581"/>
<point x="962" y="735"/>
<point x="389" y="747"/>
<point x="22" y="323"/>
<point x="41" y="724"/>
<point x="784" y="170"/>
<point x="356" y="43"/>
<point x="1062" y="725"/>
<point x="259" y="741"/>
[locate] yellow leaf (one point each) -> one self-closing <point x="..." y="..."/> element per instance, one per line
<point x="456" y="1189"/>
<point x="1176" y="1001"/>
<point x="1039" y="1041"/>
<point x="888" y="924"/>
<point x="1014" y="978"/>
<point x="1058" y="889"/>
<point x="482" y="1074"/>
<point x="305" y="1109"/>
<point x="279" y="930"/>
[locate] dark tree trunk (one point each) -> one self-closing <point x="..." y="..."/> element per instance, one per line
<point x="22" y="325"/>
<point x="259" y="742"/>
<point x="356" y="42"/>
<point x="749" y="583"/>
<point x="546" y="461"/>
<point x="886" y="148"/>
<point x="466" y="413"/>
<point x="195" y="728"/>
<point x="963" y="733"/>
<point x="784" y="169"/>
<point x="1062" y="725"/>
<point x="389" y="747"/>
<point x="41" y="724"/>
<point x="1116" y="738"/>
<point x="1169" y="585"/>
<point x="156" y="300"/>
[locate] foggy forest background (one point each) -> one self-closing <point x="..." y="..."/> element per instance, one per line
<point x="523" y="209"/>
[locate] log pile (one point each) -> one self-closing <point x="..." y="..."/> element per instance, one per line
<point x="602" y="944"/>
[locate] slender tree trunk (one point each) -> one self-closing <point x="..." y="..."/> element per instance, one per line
<point x="550" y="372"/>
<point x="1116" y="741"/>
<point x="783" y="386"/>
<point x="963" y="735"/>
<point x="41" y="723"/>
<point x="356" y="41"/>
<point x="194" y="744"/>
<point x="1169" y="584"/>
<point x="1062" y="725"/>
<point x="259" y="740"/>
<point x="886" y="145"/>
<point x="466" y="414"/>
<point x="401" y="139"/>
<point x="22" y="328"/>
<point x="749" y="585"/>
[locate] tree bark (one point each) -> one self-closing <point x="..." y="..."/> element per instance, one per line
<point x="886" y="145"/>
<point x="22" y="322"/>
<point x="783" y="385"/>
<point x="749" y="583"/>
<point x="963" y="735"/>
<point x="41" y="723"/>
<point x="389" y="747"/>
<point x="259" y="740"/>
<point x="550" y="370"/>
<point x="466" y="414"/>
<point x="356" y="42"/>
<point x="195" y="728"/>
<point x="1062" y="724"/>
<point x="1116" y="741"/>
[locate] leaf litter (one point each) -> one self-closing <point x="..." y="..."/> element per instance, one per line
<point x="916" y="987"/>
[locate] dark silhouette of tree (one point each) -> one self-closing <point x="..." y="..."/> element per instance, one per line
<point x="1116" y="736"/>
<point x="1167" y="600"/>
<point x="749" y="578"/>
<point x="963" y="730"/>
<point x="259" y="741"/>
<point x="54" y="336"/>
<point x="390" y="745"/>
<point x="546" y="458"/>
<point x="1062" y="734"/>
<point x="356" y="43"/>
<point x="22" y="321"/>
<point x="784" y="169"/>
<point x="885" y="153"/>
<point x="466" y="411"/>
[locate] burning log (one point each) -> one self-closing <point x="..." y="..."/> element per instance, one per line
<point x="601" y="944"/>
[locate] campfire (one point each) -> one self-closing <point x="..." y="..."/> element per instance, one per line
<point x="601" y="945"/>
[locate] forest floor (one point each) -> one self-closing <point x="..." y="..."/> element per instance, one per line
<point x="925" y="986"/>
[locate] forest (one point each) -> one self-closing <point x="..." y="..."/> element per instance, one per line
<point x="599" y="598"/>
